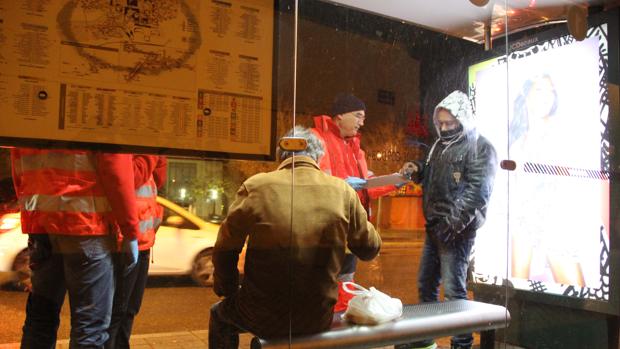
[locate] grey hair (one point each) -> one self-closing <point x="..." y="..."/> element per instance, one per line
<point x="313" y="150"/>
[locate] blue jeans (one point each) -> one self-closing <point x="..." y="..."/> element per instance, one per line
<point x="447" y="263"/>
<point x="129" y="290"/>
<point x="81" y="266"/>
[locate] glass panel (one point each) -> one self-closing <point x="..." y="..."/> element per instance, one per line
<point x="541" y="77"/>
<point x="260" y="216"/>
<point x="236" y="39"/>
<point x="562" y="93"/>
<point x="488" y="77"/>
<point x="402" y="62"/>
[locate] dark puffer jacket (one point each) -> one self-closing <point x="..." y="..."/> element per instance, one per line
<point x="457" y="176"/>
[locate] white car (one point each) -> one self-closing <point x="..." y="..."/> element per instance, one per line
<point x="183" y="245"/>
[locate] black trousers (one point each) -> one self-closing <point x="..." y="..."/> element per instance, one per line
<point x="225" y="325"/>
<point x="128" y="293"/>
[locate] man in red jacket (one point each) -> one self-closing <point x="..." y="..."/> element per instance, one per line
<point x="149" y="175"/>
<point x="72" y="215"/>
<point x="344" y="158"/>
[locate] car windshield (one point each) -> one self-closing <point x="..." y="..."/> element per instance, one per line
<point x="176" y="220"/>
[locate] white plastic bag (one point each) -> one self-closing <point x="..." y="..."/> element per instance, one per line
<point x="370" y="307"/>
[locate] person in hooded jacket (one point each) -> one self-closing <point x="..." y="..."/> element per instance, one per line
<point x="457" y="180"/>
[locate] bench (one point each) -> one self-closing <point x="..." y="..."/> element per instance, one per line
<point x="419" y="321"/>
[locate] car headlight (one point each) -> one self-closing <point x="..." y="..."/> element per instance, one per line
<point x="8" y="222"/>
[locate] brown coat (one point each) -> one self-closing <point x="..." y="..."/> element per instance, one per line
<point x="294" y="251"/>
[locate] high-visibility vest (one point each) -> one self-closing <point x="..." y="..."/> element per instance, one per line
<point x="150" y="213"/>
<point x="59" y="193"/>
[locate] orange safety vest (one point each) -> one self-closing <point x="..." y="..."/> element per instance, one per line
<point x="59" y="192"/>
<point x="150" y="213"/>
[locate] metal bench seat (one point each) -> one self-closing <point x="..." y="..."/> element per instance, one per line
<point x="419" y="321"/>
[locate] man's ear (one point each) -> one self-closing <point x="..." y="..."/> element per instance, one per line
<point x="337" y="117"/>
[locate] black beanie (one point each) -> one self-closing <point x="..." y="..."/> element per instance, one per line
<point x="346" y="103"/>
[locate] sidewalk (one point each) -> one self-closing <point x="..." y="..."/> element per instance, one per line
<point x="199" y="340"/>
<point x="169" y="340"/>
<point x="184" y="340"/>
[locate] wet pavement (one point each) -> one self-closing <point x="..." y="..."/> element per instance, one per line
<point x="184" y="340"/>
<point x="176" y="315"/>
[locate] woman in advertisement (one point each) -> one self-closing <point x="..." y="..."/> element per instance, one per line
<point x="546" y="231"/>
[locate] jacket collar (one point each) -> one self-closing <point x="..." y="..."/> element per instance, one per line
<point x="300" y="160"/>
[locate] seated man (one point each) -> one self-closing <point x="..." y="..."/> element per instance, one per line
<point x="299" y="222"/>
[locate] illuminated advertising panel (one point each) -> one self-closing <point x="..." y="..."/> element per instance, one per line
<point x="545" y="107"/>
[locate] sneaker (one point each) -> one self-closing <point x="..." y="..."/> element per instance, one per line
<point x="457" y="346"/>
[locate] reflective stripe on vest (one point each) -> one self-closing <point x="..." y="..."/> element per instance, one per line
<point x="148" y="212"/>
<point x="150" y="223"/>
<point x="49" y="203"/>
<point x="146" y="191"/>
<point x="60" y="192"/>
<point x="146" y="196"/>
<point x="73" y="162"/>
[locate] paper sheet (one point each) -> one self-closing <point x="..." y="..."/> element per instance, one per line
<point x="381" y="181"/>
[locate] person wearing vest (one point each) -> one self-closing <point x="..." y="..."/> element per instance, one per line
<point x="344" y="158"/>
<point x="149" y="174"/>
<point x="72" y="216"/>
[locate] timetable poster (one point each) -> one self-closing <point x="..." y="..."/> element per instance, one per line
<point x="176" y="74"/>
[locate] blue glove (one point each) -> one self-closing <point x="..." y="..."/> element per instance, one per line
<point x="129" y="250"/>
<point x="356" y="182"/>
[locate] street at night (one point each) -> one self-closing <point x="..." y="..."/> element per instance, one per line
<point x="173" y="304"/>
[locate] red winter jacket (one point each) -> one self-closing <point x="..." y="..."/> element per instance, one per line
<point x="344" y="157"/>
<point x="74" y="192"/>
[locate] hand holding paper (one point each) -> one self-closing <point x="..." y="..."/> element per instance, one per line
<point x="392" y="179"/>
<point x="408" y="169"/>
<point x="356" y="182"/>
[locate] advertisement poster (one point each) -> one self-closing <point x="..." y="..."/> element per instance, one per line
<point x="176" y="74"/>
<point x="552" y="210"/>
